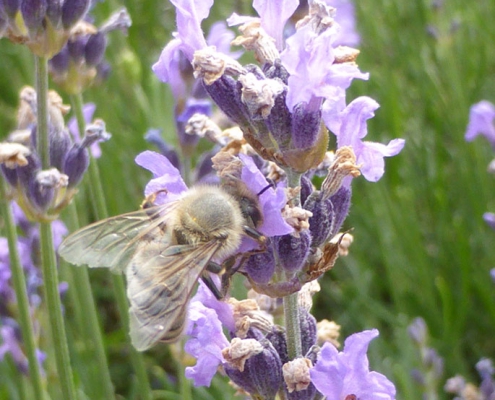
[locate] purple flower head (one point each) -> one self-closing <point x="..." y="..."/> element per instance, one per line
<point x="350" y="128"/>
<point x="340" y="374"/>
<point x="481" y="122"/>
<point x="309" y="58"/>
<point x="207" y="338"/>
<point x="88" y="112"/>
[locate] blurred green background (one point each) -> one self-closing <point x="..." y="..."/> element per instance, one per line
<point x="421" y="247"/>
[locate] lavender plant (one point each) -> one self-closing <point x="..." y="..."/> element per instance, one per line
<point x="283" y="107"/>
<point x="280" y="113"/>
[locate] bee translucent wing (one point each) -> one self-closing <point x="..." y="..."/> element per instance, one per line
<point x="113" y="242"/>
<point x="159" y="285"/>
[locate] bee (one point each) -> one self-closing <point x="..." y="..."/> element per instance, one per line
<point x="163" y="251"/>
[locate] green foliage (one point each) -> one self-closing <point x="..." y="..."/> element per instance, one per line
<point x="421" y="247"/>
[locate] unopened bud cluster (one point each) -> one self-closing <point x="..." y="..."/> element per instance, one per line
<point x="43" y="193"/>
<point x="81" y="61"/>
<point x="42" y="25"/>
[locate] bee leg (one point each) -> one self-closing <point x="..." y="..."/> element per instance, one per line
<point x="232" y="264"/>
<point x="206" y="278"/>
<point x="255" y="234"/>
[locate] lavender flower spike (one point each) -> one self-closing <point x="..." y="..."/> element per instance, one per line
<point x="350" y="128"/>
<point x="339" y="375"/>
<point x="481" y="122"/>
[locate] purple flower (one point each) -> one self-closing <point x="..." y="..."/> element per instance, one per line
<point x="350" y="128"/>
<point x="340" y="374"/>
<point x="309" y="59"/>
<point x="88" y="111"/>
<point x="165" y="176"/>
<point x="481" y="122"/>
<point x="489" y="219"/>
<point x="188" y="38"/>
<point x="207" y="339"/>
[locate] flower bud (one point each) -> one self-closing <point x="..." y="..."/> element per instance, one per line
<point x="306" y="125"/>
<point x="307" y="325"/>
<point x="328" y="214"/>
<point x="293" y="250"/>
<point x="33" y="12"/>
<point x="10" y="175"/>
<point x="76" y="47"/>
<point x="76" y="164"/>
<point x="26" y="174"/>
<point x="227" y="94"/>
<point x="60" y="142"/>
<point x="59" y="64"/>
<point x="279" y="342"/>
<point x="10" y="7"/>
<point x="42" y="189"/>
<point x="54" y="12"/>
<point x="260" y="267"/>
<point x="262" y="374"/>
<point x="95" y="49"/>
<point x="73" y="11"/>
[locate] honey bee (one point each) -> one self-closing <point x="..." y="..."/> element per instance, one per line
<point x="163" y="250"/>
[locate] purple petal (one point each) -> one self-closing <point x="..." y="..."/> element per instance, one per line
<point x="206" y="343"/>
<point x="167" y="68"/>
<point x="337" y="375"/>
<point x="272" y="201"/>
<point x="350" y="128"/>
<point x="372" y="157"/>
<point x="274" y="15"/>
<point x="328" y="374"/>
<point x="221" y="37"/>
<point x="309" y="60"/>
<point x="481" y="122"/>
<point x="190" y="13"/>
<point x="166" y="177"/>
<point x="346" y="18"/>
<point x="222" y="309"/>
<point x="489" y="218"/>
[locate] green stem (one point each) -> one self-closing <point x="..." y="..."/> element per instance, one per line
<point x="48" y="259"/>
<point x="41" y="64"/>
<point x="19" y="281"/>
<point x="98" y="200"/>
<point x="92" y="324"/>
<point x="292" y="327"/>
<point x="54" y="309"/>
<point x="291" y="308"/>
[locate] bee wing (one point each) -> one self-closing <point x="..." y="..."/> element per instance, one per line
<point x="159" y="285"/>
<point x="112" y="242"/>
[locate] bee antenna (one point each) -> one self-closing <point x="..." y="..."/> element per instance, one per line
<point x="271" y="184"/>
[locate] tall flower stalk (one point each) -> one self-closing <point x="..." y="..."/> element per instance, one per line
<point x="48" y="257"/>
<point x="284" y="107"/>
<point x="19" y="282"/>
